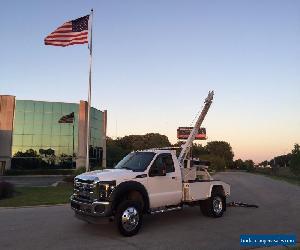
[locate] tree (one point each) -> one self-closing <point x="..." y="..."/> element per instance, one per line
<point x="282" y="160"/>
<point x="139" y="142"/>
<point x="216" y="163"/>
<point x="244" y="165"/>
<point x="26" y="160"/>
<point x="221" y="149"/>
<point x="249" y="165"/>
<point x="65" y="161"/>
<point x="295" y="160"/>
<point x="117" y="149"/>
<point x="28" y="153"/>
<point x="264" y="163"/>
<point x="238" y="164"/>
<point x="49" y="155"/>
<point x="115" y="152"/>
<point x="198" y="150"/>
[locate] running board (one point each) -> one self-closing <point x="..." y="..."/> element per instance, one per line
<point x="163" y="210"/>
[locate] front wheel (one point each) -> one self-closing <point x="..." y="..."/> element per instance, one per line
<point x="214" y="206"/>
<point x="129" y="217"/>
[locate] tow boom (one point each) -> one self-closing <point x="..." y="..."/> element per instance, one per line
<point x="189" y="142"/>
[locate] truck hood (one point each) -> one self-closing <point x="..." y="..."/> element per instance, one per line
<point x="119" y="175"/>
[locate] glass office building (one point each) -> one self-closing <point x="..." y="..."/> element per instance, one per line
<point x="36" y="127"/>
<point x="39" y="140"/>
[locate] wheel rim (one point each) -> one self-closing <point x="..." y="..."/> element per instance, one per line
<point x="217" y="204"/>
<point x="130" y="219"/>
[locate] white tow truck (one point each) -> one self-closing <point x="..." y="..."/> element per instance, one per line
<point x="149" y="181"/>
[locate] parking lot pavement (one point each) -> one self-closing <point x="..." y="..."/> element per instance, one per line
<point x="55" y="227"/>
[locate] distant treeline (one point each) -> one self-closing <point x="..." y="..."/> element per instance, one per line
<point x="219" y="153"/>
<point x="290" y="160"/>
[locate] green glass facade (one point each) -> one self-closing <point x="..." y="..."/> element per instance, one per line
<point x="96" y="137"/>
<point x="96" y="127"/>
<point x="36" y="131"/>
<point x="36" y="127"/>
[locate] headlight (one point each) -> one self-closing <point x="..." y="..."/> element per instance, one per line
<point x="105" y="189"/>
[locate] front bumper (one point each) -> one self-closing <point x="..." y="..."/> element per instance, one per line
<point x="96" y="208"/>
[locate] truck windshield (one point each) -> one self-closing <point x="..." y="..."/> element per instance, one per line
<point x="136" y="161"/>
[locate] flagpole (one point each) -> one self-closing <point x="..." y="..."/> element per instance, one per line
<point x="87" y="165"/>
<point x="73" y="143"/>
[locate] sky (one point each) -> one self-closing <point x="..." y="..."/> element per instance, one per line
<point x="155" y="61"/>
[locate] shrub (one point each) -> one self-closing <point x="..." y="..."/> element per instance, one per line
<point x="216" y="163"/>
<point x="6" y="190"/>
<point x="69" y="179"/>
<point x="76" y="172"/>
<point x="79" y="171"/>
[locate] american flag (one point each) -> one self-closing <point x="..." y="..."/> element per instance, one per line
<point x="70" y="33"/>
<point x="67" y="118"/>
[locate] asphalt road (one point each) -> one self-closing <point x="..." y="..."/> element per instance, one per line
<point x="56" y="228"/>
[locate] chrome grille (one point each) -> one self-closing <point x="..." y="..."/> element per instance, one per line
<point x="84" y="191"/>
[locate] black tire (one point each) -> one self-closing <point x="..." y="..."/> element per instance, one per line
<point x="215" y="205"/>
<point x="129" y="217"/>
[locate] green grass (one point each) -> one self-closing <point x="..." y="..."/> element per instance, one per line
<point x="289" y="179"/>
<point x="295" y="181"/>
<point x="32" y="196"/>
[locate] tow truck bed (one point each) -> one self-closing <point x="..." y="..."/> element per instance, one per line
<point x="201" y="189"/>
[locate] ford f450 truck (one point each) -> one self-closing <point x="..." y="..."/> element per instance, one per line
<point x="149" y="181"/>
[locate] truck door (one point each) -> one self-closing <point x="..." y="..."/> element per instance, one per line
<point x="164" y="190"/>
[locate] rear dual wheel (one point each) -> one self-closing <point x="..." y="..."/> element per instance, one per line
<point x="215" y="205"/>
